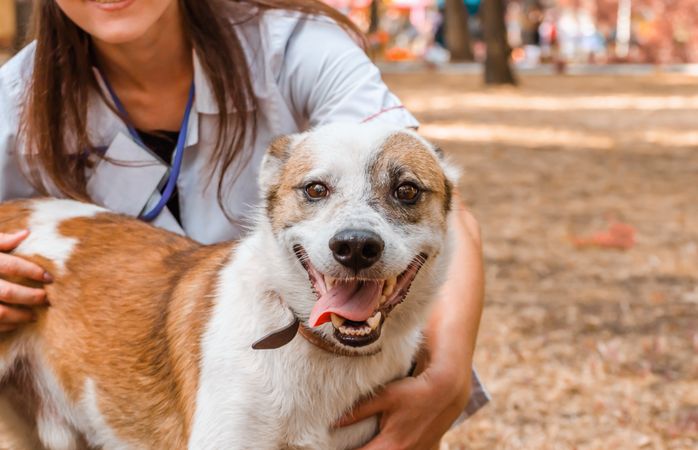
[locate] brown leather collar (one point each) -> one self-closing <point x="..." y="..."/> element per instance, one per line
<point x="283" y="336"/>
<point x="278" y="338"/>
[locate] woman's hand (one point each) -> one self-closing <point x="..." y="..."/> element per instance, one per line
<point x="415" y="412"/>
<point x="15" y="298"/>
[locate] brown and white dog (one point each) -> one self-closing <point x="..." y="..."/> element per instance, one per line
<point x="148" y="342"/>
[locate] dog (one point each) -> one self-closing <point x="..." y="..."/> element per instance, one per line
<point x="154" y="341"/>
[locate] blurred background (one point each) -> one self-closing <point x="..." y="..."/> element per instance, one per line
<point x="539" y="31"/>
<point x="576" y="124"/>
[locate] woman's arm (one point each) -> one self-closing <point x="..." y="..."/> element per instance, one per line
<point x="416" y="412"/>
<point x="339" y="83"/>
<point x="456" y="316"/>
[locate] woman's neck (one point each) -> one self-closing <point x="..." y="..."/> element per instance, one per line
<point x="160" y="59"/>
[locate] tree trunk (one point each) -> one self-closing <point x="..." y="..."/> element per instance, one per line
<point x="375" y="17"/>
<point x="497" y="66"/>
<point x="8" y="23"/>
<point x="24" y="9"/>
<point x="457" y="34"/>
<point x="623" y="29"/>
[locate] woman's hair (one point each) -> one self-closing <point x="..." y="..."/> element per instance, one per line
<point x="55" y="115"/>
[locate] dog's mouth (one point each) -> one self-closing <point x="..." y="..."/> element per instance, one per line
<point x="357" y="307"/>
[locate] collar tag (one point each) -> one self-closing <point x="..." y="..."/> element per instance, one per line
<point x="279" y="338"/>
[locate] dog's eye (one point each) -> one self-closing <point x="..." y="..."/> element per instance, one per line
<point x="407" y="193"/>
<point x="316" y="191"/>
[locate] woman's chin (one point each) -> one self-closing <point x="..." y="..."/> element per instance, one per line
<point x="119" y="32"/>
<point x="120" y="22"/>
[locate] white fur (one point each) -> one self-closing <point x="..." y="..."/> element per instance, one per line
<point x="44" y="239"/>
<point x="101" y="434"/>
<point x="299" y="389"/>
<point x="56" y="415"/>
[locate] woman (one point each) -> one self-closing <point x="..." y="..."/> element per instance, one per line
<point x="207" y="85"/>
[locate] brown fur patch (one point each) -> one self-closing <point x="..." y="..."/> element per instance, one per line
<point x="286" y="204"/>
<point x="14" y="216"/>
<point x="404" y="158"/>
<point x="128" y="313"/>
<point x="279" y="147"/>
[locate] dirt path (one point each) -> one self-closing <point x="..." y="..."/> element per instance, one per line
<point x="581" y="348"/>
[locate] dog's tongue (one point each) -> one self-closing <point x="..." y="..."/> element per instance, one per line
<point x="353" y="300"/>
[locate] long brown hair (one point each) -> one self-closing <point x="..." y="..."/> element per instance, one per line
<point x="55" y="115"/>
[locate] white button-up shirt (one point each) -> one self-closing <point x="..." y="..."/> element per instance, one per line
<point x="306" y="71"/>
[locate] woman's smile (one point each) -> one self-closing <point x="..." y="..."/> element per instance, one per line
<point x="112" y="5"/>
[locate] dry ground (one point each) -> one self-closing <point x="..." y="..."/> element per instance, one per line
<point x="581" y="349"/>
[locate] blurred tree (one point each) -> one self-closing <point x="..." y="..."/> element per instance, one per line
<point x="375" y="16"/>
<point x="497" y="65"/>
<point x="457" y="32"/>
<point x="662" y="31"/>
<point x="24" y="9"/>
<point x="7" y="23"/>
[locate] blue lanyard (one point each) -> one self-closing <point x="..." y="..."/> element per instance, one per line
<point x="179" y="150"/>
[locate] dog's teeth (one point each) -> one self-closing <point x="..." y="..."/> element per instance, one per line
<point x="374" y="320"/>
<point x="351" y="331"/>
<point x="337" y="321"/>
<point x="389" y="286"/>
<point x="383" y="299"/>
<point x="329" y="282"/>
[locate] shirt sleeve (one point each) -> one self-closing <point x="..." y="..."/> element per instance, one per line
<point x="326" y="77"/>
<point x="13" y="182"/>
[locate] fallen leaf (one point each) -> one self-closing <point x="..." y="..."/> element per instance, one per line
<point x="618" y="236"/>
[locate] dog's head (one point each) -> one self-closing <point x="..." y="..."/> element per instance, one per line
<point x="362" y="210"/>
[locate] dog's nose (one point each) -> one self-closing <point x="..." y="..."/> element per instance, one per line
<point x="356" y="249"/>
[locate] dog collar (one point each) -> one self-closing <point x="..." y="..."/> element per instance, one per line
<point x="279" y="338"/>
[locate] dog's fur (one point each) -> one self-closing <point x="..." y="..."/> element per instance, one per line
<point x="147" y="342"/>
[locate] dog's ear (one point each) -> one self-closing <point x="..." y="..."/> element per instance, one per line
<point x="277" y="154"/>
<point x="452" y="171"/>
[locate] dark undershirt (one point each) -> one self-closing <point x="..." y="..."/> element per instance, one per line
<point x="163" y="144"/>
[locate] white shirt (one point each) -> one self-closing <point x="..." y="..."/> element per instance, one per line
<point x="306" y="71"/>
